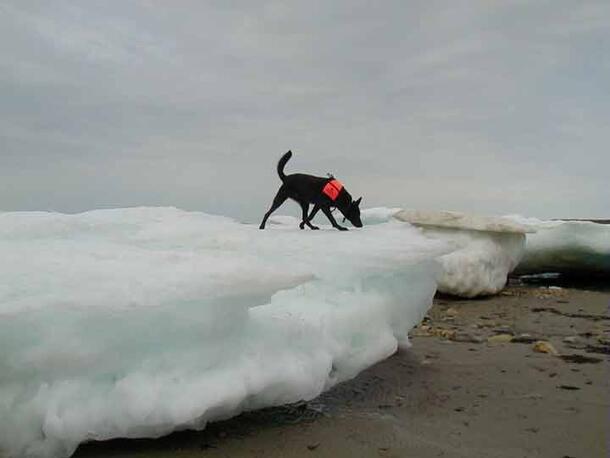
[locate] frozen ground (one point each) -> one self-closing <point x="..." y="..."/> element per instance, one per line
<point x="137" y="322"/>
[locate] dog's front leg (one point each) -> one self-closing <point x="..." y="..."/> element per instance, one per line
<point x="331" y="218"/>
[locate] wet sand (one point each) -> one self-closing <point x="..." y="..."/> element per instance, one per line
<point x="472" y="385"/>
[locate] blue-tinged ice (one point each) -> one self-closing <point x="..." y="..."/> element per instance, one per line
<point x="485" y="249"/>
<point x="569" y="247"/>
<point x="138" y="322"/>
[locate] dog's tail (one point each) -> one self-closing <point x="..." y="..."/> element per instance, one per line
<point x="282" y="163"/>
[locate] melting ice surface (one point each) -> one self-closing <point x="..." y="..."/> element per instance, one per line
<point x="137" y="322"/>
<point x="572" y="247"/>
<point x="485" y="248"/>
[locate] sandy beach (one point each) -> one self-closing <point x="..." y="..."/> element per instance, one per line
<point x="521" y="374"/>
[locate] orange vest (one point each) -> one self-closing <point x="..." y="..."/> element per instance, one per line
<point x="332" y="189"/>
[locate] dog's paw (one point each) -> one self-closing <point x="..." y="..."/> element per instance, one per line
<point x="302" y="226"/>
<point x="341" y="228"/>
<point x="315" y="228"/>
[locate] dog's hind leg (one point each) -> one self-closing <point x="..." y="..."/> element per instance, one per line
<point x="332" y="220"/>
<point x="305" y="209"/>
<point x="278" y="200"/>
<point x="307" y="220"/>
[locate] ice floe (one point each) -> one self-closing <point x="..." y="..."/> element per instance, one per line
<point x="138" y="322"/>
<point x="486" y="249"/>
<point x="567" y="247"/>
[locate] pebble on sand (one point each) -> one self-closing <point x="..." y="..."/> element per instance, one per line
<point x="542" y="346"/>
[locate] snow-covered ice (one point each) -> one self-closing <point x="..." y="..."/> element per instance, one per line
<point x="458" y="220"/>
<point x="137" y="322"/>
<point x="570" y="247"/>
<point x="486" y="249"/>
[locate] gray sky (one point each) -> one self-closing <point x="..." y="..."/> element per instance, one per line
<point x="478" y="106"/>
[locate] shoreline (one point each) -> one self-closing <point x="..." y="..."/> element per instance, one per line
<point x="471" y="385"/>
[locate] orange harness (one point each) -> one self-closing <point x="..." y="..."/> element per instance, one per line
<point x="332" y="189"/>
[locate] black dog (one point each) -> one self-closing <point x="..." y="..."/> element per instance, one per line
<point x="323" y="193"/>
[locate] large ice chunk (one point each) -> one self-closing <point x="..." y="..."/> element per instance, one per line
<point x="568" y="247"/>
<point x="486" y="249"/>
<point x="137" y="322"/>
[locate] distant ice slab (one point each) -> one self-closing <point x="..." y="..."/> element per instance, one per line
<point x="377" y="215"/>
<point x="486" y="249"/>
<point x="569" y="247"/>
<point x="458" y="220"/>
<point x="138" y="322"/>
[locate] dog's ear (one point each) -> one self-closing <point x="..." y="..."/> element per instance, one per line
<point x="358" y="201"/>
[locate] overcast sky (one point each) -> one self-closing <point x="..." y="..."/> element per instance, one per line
<point x="479" y="106"/>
